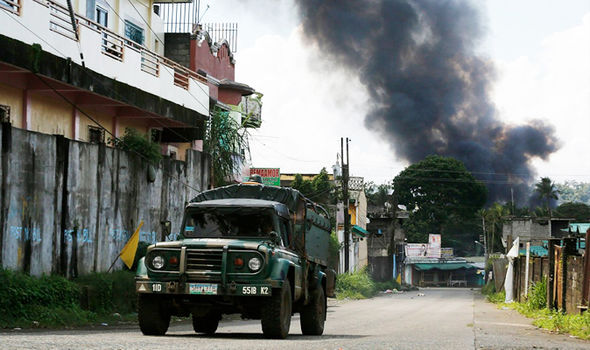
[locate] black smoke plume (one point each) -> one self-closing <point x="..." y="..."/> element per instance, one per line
<point x="429" y="88"/>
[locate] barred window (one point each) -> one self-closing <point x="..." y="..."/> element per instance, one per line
<point x="4" y="114"/>
<point x="95" y="134"/>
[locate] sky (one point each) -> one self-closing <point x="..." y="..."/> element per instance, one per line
<point x="540" y="48"/>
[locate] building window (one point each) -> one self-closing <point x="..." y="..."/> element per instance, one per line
<point x="11" y="5"/>
<point x="134" y="32"/>
<point x="102" y="16"/>
<point x="4" y="114"/>
<point x="95" y="134"/>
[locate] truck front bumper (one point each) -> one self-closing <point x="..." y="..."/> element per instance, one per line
<point x="199" y="288"/>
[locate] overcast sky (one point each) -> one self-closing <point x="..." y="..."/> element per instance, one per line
<point x="541" y="50"/>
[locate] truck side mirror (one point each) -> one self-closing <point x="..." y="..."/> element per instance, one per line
<point x="274" y="237"/>
<point x="166" y="227"/>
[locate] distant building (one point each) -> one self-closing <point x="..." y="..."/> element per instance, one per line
<point x="533" y="229"/>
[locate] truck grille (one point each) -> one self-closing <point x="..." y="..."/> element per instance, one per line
<point x="203" y="260"/>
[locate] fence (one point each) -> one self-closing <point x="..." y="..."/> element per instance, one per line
<point x="68" y="207"/>
<point x="564" y="269"/>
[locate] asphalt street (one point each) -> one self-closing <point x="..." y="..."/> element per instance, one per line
<point x="436" y="318"/>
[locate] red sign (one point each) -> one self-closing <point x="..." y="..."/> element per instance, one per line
<point x="265" y="172"/>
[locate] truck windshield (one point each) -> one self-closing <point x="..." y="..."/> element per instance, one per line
<point x="228" y="222"/>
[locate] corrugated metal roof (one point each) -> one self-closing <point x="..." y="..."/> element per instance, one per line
<point x="536" y="250"/>
<point x="444" y="266"/>
<point x="580" y="228"/>
<point x="359" y="231"/>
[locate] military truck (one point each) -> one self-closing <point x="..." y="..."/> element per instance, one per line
<point x="250" y="249"/>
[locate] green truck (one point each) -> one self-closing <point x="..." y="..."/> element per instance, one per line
<point x="250" y="249"/>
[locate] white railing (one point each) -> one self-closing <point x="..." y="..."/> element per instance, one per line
<point x="150" y="63"/>
<point x="112" y="45"/>
<point x="60" y="21"/>
<point x="104" y="51"/>
<point x="11" y="6"/>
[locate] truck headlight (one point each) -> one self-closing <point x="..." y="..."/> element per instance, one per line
<point x="158" y="262"/>
<point x="254" y="264"/>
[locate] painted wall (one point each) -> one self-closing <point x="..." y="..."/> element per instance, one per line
<point x="219" y="65"/>
<point x="12" y="97"/>
<point x="69" y="207"/>
<point x="51" y="116"/>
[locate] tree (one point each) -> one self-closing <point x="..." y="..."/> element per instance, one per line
<point x="225" y="145"/>
<point x="377" y="195"/>
<point x="319" y="189"/>
<point x="438" y="191"/>
<point x="547" y="191"/>
<point x="578" y="211"/>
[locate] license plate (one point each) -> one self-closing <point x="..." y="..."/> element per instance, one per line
<point x="203" y="288"/>
<point x="255" y="290"/>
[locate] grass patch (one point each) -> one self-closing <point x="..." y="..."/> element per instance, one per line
<point x="535" y="307"/>
<point x="359" y="285"/>
<point x="55" y="302"/>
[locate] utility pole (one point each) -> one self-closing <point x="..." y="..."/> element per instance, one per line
<point x="345" y="177"/>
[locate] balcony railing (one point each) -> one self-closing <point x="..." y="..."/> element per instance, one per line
<point x="59" y="21"/>
<point x="11" y="5"/>
<point x="98" y="40"/>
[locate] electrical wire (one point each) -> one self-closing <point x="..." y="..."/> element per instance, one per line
<point x="87" y="115"/>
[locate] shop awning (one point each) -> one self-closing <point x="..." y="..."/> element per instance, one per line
<point x="444" y="266"/>
<point x="359" y="231"/>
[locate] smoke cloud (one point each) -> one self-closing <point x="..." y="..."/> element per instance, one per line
<point x="429" y="88"/>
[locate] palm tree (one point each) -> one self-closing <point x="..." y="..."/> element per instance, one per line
<point x="546" y="190"/>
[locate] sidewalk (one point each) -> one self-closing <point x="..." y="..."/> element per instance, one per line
<point x="494" y="328"/>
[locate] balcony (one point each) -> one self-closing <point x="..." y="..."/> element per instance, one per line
<point x="47" y="23"/>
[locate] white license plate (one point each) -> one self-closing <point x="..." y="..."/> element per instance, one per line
<point x="203" y="288"/>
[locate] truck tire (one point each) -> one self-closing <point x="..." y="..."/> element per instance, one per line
<point x="313" y="315"/>
<point x="207" y="324"/>
<point x="153" y="319"/>
<point x="276" y="314"/>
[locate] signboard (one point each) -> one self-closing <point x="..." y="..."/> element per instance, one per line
<point x="447" y="253"/>
<point x="433" y="246"/>
<point x="417" y="249"/>
<point x="270" y="176"/>
<point x="425" y="250"/>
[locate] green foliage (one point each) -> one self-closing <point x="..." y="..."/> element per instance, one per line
<point x="578" y="211"/>
<point x="357" y="285"/>
<point x="108" y="292"/>
<point x="225" y="145"/>
<point x="489" y="288"/>
<point x="377" y="195"/>
<point x="574" y="191"/>
<point x="497" y="297"/>
<point x="494" y="219"/>
<point x="319" y="189"/>
<point x="48" y="300"/>
<point x="442" y="191"/>
<point x="537" y="298"/>
<point x="54" y="301"/>
<point x="334" y="250"/>
<point x="547" y="191"/>
<point x="133" y="141"/>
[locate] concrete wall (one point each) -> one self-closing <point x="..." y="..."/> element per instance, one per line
<point x="69" y="207"/>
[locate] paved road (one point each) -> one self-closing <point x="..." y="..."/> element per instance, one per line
<point x="439" y="319"/>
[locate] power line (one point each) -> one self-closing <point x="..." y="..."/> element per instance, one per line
<point x="87" y="115"/>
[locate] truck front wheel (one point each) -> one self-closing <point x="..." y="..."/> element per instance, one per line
<point x="276" y="314"/>
<point x="313" y="315"/>
<point x="153" y="319"/>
